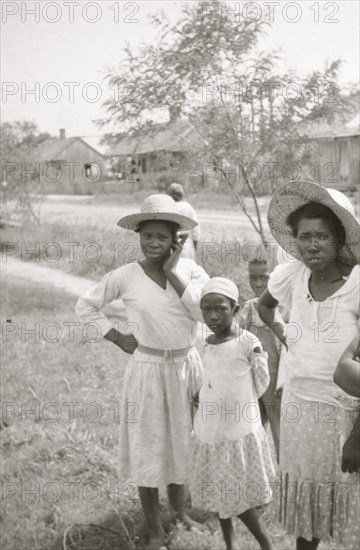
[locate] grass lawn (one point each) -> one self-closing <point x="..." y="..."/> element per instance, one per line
<point x="50" y="460"/>
<point x="60" y="404"/>
<point x="60" y="411"/>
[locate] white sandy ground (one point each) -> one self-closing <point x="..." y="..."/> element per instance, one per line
<point x="49" y="276"/>
<point x="85" y="210"/>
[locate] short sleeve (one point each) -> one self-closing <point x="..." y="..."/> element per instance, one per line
<point x="282" y="280"/>
<point x="192" y="293"/>
<point x="260" y="371"/>
<point x="89" y="306"/>
<point x="186" y="209"/>
<point x="258" y="361"/>
<point x="196" y="230"/>
<point x="244" y="316"/>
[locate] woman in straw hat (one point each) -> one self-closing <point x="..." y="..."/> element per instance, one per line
<point x="161" y="294"/>
<point x="319" y="435"/>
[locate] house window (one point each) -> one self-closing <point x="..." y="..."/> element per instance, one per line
<point x="143" y="165"/>
<point x="87" y="168"/>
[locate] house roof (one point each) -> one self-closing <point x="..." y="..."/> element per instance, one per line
<point x="335" y="133"/>
<point x="344" y="124"/>
<point x="172" y="136"/>
<point x="95" y="143"/>
<point x="53" y="148"/>
<point x="354" y="122"/>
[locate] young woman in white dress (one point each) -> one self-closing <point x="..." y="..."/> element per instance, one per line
<point x="319" y="432"/>
<point x="161" y="294"/>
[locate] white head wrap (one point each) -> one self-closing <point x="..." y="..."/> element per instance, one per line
<point x="221" y="285"/>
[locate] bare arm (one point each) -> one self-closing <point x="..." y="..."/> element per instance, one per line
<point x="347" y="373"/>
<point x="347" y="376"/>
<point x="351" y="450"/>
<point x="268" y="312"/>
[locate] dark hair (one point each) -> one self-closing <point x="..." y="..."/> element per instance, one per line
<point x="313" y="210"/>
<point x="176" y="196"/>
<point x="258" y="261"/>
<point x="261" y="255"/>
<point x="173" y="227"/>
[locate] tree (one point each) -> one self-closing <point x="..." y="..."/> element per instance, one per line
<point x="17" y="140"/>
<point x="243" y="112"/>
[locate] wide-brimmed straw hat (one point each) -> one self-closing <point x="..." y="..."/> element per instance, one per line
<point x="291" y="196"/>
<point x="157" y="208"/>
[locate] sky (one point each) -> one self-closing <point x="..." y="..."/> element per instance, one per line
<point x="61" y="51"/>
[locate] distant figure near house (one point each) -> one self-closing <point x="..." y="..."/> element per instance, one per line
<point x="176" y="192"/>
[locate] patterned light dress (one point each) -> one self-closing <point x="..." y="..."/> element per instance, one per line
<point x="155" y="424"/>
<point x="232" y="467"/>
<point x="316" y="499"/>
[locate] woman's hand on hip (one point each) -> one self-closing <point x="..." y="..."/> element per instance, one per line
<point x="127" y="342"/>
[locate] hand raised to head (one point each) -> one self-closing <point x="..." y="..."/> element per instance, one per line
<point x="170" y="264"/>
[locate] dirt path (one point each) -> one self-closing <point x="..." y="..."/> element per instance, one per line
<point x="58" y="280"/>
<point x="49" y="276"/>
<point x="62" y="282"/>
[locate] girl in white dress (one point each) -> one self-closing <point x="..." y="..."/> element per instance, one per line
<point x="232" y="465"/>
<point x="161" y="295"/>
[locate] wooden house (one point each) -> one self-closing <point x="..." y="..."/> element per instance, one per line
<point x="338" y="154"/>
<point x="67" y="165"/>
<point x="157" y="157"/>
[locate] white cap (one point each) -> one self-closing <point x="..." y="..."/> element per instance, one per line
<point x="221" y="285"/>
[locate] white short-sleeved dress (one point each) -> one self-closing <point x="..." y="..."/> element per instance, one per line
<point x="186" y="209"/>
<point x="155" y="425"/>
<point x="232" y="466"/>
<point x="316" y="499"/>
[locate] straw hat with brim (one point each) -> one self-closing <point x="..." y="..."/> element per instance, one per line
<point x="157" y="208"/>
<point x="291" y="196"/>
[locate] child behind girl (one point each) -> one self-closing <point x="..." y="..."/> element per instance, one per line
<point x="259" y="274"/>
<point x="232" y="463"/>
